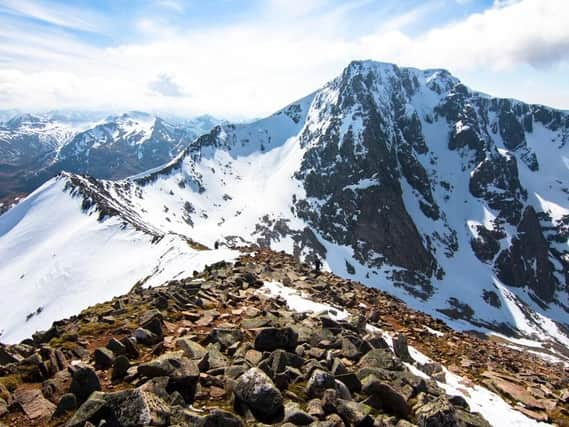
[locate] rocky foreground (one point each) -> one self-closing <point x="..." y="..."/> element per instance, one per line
<point x="216" y="349"/>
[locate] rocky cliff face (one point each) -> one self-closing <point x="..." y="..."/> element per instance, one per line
<point x="404" y="179"/>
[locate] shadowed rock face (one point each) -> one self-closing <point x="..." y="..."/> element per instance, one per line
<point x="372" y="217"/>
<point x="526" y="262"/>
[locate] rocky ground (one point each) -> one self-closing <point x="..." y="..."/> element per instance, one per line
<point x="216" y="349"/>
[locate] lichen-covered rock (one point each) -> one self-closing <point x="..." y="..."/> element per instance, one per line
<point x="438" y="413"/>
<point x="256" y="390"/>
<point x="319" y="381"/>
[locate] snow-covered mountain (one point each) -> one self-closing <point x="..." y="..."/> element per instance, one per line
<point x="35" y="147"/>
<point x="403" y="179"/>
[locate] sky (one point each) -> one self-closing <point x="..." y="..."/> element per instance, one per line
<point x="240" y="59"/>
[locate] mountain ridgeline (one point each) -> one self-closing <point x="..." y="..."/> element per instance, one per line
<point x="404" y="179"/>
<point x="34" y="148"/>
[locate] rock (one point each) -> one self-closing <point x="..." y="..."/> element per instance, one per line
<point x="438" y="413"/>
<point x="219" y="418"/>
<point x="255" y="389"/>
<point x="296" y="416"/>
<point x="92" y="411"/>
<point x="385" y="397"/>
<point x="213" y="359"/>
<point x="34" y="405"/>
<point x="468" y="419"/>
<point x="315" y="409"/>
<point x="130" y="346"/>
<point x="49" y="388"/>
<point x="41" y="337"/>
<point x="146" y="337"/>
<point x="136" y="407"/>
<point x="182" y="372"/>
<point x="67" y="403"/>
<point x="342" y="390"/>
<point x="351" y="381"/>
<point x="103" y="358"/>
<point x="191" y="349"/>
<point x="3" y="407"/>
<point x="269" y="339"/>
<point x="7" y="356"/>
<point x="354" y="413"/>
<point x="434" y="370"/>
<point x="329" y="400"/>
<point x="123" y="408"/>
<point x="152" y="321"/>
<point x="459" y="402"/>
<point x="381" y="358"/>
<point x="84" y="381"/>
<point x="32" y="369"/>
<point x="253" y="357"/>
<point x="116" y="346"/>
<point x="401" y="349"/>
<point x="278" y="362"/>
<point x="226" y="337"/>
<point x="121" y="364"/>
<point x="319" y="381"/>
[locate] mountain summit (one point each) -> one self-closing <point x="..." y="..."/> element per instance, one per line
<point x="399" y="178"/>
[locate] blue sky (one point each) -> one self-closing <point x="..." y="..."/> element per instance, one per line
<point x="241" y="59"/>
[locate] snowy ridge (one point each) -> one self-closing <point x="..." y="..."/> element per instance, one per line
<point x="402" y="179"/>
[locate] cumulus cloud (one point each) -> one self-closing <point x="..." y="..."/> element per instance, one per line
<point x="511" y="33"/>
<point x="165" y="85"/>
<point x="253" y="67"/>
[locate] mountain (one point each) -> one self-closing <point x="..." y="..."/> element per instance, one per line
<point x="34" y="148"/>
<point x="403" y="179"/>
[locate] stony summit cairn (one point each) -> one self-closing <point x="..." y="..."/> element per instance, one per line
<point x="213" y="350"/>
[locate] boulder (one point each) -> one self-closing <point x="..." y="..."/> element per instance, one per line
<point x="226" y="337"/>
<point x="183" y="373"/>
<point x="123" y="408"/>
<point x="146" y="337"/>
<point x="401" y="349"/>
<point x="381" y="358"/>
<point x="319" y="381"/>
<point x="103" y="358"/>
<point x="116" y="346"/>
<point x="121" y="364"/>
<point x="67" y="403"/>
<point x="383" y="396"/>
<point x="33" y="403"/>
<point x="258" y="392"/>
<point x="354" y="413"/>
<point x="84" y="381"/>
<point x="269" y="339"/>
<point x="296" y="416"/>
<point x="191" y="349"/>
<point x="438" y="413"/>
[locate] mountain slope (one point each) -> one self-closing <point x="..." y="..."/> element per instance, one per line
<point x="34" y="148"/>
<point x="402" y="179"/>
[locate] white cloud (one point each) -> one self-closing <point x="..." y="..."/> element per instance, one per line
<point x="165" y="85"/>
<point x="252" y="68"/>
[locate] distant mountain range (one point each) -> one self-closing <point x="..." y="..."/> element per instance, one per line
<point x="35" y="147"/>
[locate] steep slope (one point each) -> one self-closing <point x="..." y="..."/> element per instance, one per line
<point x="56" y="261"/>
<point x="402" y="179"/>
